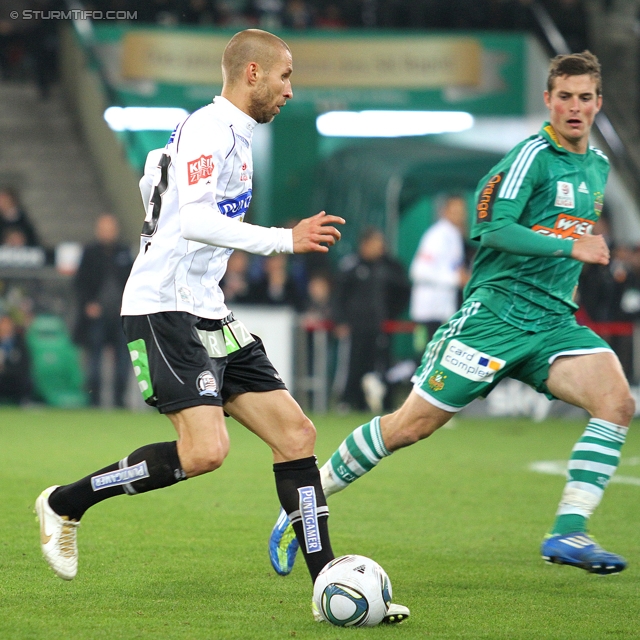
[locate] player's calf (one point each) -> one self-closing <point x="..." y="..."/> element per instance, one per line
<point x="301" y="496"/>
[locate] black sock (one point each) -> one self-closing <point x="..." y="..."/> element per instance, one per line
<point x="301" y="496"/>
<point x="151" y="467"/>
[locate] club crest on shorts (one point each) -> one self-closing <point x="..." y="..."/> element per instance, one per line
<point x="207" y="385"/>
<point x="436" y="381"/>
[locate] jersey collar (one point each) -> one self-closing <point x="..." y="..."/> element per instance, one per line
<point x="549" y="134"/>
<point x="243" y="122"/>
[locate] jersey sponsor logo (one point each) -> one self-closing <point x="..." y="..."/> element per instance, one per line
<point x="206" y="384"/>
<point x="121" y="476"/>
<point x="583" y="187"/>
<point x="200" y="169"/>
<point x="470" y="363"/>
<point x="564" y="195"/>
<point x="484" y="207"/>
<point x="567" y="227"/>
<point x="309" y="515"/>
<point x="234" y="207"/>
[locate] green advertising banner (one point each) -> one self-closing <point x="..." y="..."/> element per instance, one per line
<point x="481" y="73"/>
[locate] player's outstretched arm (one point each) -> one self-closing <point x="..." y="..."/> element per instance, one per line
<point x="515" y="238"/>
<point x="316" y="233"/>
<point x="591" y="249"/>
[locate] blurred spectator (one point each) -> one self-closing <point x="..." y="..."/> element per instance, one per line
<point x="318" y="306"/>
<point x="297" y="15"/>
<point x="200" y="12"/>
<point x="15" y="378"/>
<point x="235" y="283"/>
<point x="13" y="236"/>
<point x="276" y="286"/>
<point x="43" y="45"/>
<point x="163" y="12"/>
<point x="437" y="270"/>
<point x="331" y="17"/>
<point x="372" y="287"/>
<point x="14" y="217"/>
<point x="13" y="39"/>
<point x="99" y="283"/>
<point x="269" y="13"/>
<point x="611" y="293"/>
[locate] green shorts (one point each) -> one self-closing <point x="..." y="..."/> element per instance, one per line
<point x="475" y="349"/>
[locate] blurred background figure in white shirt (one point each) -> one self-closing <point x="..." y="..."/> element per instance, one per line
<point x="438" y="270"/>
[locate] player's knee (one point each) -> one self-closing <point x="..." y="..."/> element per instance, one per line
<point x="619" y="407"/>
<point x="205" y="458"/>
<point x="301" y="438"/>
<point x="627" y="408"/>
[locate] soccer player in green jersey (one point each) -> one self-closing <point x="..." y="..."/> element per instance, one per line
<point x="534" y="215"/>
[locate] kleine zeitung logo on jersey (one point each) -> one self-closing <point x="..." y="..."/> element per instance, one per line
<point x="200" y="169"/>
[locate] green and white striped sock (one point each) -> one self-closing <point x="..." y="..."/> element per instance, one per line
<point x="357" y="455"/>
<point x="593" y="461"/>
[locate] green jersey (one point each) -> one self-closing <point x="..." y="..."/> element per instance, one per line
<point x="544" y="187"/>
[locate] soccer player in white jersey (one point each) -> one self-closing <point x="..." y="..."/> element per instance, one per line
<point x="193" y="360"/>
<point x="534" y="214"/>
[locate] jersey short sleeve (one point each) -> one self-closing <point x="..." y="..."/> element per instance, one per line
<point x="502" y="195"/>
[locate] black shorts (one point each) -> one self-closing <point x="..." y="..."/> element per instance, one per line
<point x="183" y="361"/>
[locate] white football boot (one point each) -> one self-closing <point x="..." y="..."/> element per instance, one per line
<point x="57" y="538"/>
<point x="396" y="613"/>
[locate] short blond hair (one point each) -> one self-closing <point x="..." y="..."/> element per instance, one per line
<point x="250" y="45"/>
<point x="575" y="64"/>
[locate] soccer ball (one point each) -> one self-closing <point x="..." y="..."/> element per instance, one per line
<point x="352" y="591"/>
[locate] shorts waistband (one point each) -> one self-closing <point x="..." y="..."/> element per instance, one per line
<point x="228" y="320"/>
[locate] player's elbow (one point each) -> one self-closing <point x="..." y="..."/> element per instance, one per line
<point x="188" y="225"/>
<point x="490" y="240"/>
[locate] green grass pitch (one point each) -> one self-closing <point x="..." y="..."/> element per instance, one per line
<point x="456" y="521"/>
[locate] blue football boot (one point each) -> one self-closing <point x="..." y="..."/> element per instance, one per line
<point x="580" y="550"/>
<point x="283" y="545"/>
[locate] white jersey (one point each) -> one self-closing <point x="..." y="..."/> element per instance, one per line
<point x="196" y="192"/>
<point x="435" y="274"/>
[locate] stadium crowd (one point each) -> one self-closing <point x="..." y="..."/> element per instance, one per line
<point x="337" y="14"/>
<point x="31" y="46"/>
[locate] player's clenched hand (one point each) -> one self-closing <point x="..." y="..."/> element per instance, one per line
<point x="591" y="249"/>
<point x="315" y="233"/>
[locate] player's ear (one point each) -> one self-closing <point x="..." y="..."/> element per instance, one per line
<point x="547" y="99"/>
<point x="252" y="71"/>
<point x="598" y="103"/>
